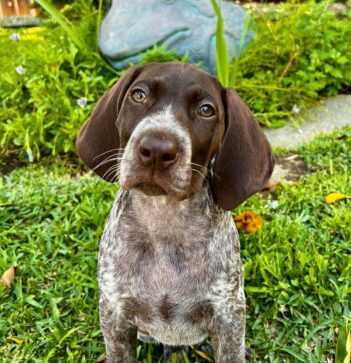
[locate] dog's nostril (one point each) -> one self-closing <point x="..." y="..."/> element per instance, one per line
<point x="145" y="152"/>
<point x="169" y="157"/>
<point x="159" y="152"/>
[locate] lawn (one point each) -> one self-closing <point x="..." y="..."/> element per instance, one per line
<point x="297" y="267"/>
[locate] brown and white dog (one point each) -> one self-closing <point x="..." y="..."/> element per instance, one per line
<point x="186" y="151"/>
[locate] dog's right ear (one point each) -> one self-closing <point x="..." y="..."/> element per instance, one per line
<point x="98" y="140"/>
<point x="245" y="160"/>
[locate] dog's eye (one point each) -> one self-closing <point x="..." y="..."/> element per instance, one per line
<point x="206" y="111"/>
<point x="138" y="96"/>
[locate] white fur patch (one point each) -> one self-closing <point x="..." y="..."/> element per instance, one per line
<point x="164" y="121"/>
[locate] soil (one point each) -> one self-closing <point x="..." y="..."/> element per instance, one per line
<point x="9" y="163"/>
<point x="290" y="167"/>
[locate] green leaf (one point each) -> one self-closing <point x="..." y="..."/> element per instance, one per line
<point x="63" y="21"/>
<point x="222" y="61"/>
<point x="295" y="353"/>
<point x="341" y="351"/>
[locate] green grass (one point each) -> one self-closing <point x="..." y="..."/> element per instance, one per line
<point x="297" y="268"/>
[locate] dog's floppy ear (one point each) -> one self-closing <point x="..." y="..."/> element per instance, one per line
<point x="245" y="161"/>
<point x="98" y="140"/>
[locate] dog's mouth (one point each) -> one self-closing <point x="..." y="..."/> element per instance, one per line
<point x="151" y="189"/>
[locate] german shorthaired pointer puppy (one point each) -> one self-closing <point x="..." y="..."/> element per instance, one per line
<point x="185" y="151"/>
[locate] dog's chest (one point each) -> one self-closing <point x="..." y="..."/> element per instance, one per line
<point x="162" y="265"/>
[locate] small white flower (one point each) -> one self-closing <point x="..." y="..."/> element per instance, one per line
<point x="20" y="70"/>
<point x="15" y="37"/>
<point x="82" y="102"/>
<point x="296" y="109"/>
<point x="30" y="156"/>
<point x="274" y="204"/>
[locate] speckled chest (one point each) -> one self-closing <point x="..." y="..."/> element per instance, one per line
<point x="169" y="266"/>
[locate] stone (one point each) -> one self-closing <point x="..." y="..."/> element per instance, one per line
<point x="188" y="26"/>
<point x="333" y="113"/>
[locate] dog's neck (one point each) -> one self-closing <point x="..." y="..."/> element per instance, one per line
<point x="162" y="215"/>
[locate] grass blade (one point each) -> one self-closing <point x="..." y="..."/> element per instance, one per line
<point x="99" y="19"/>
<point x="63" y="21"/>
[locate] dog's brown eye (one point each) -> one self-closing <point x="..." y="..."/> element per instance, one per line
<point x="138" y="96"/>
<point x="206" y="111"/>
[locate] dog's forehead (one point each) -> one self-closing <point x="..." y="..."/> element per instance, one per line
<point x="179" y="76"/>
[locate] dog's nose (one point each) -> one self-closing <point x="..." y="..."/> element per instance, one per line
<point x="160" y="152"/>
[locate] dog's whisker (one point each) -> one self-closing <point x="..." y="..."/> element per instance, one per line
<point x="116" y="168"/>
<point x="109" y="151"/>
<point x="204" y="168"/>
<point x="110" y="159"/>
<point x="109" y="171"/>
<point x="203" y="176"/>
<point x="210" y="171"/>
<point x="105" y="161"/>
<point x="116" y="177"/>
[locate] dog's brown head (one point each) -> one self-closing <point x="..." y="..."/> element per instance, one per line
<point x="161" y="125"/>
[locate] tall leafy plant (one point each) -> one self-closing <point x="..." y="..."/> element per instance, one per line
<point x="222" y="60"/>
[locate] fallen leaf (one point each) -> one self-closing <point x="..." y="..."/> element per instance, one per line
<point x="8" y="277"/>
<point x="101" y="359"/>
<point x="203" y="355"/>
<point x="348" y="349"/>
<point x="271" y="186"/>
<point x="333" y="197"/>
<point x="248" y="222"/>
<point x="342" y="137"/>
<point x="16" y="340"/>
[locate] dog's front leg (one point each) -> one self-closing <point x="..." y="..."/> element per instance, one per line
<point x="228" y="336"/>
<point x="120" y="335"/>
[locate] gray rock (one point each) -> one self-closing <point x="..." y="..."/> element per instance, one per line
<point x="335" y="112"/>
<point x="184" y="25"/>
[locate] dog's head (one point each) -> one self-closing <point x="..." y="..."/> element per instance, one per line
<point x="161" y="126"/>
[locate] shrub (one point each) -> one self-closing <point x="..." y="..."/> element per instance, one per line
<point x="40" y="113"/>
<point x="300" y="54"/>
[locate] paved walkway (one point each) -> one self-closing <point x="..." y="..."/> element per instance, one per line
<point x="334" y="113"/>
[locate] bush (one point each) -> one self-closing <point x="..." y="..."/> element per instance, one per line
<point x="40" y="113"/>
<point x="300" y="54"/>
<point x="39" y="110"/>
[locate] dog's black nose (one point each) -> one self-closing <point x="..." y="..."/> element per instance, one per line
<point x="158" y="151"/>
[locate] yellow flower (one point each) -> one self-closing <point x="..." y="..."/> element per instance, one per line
<point x="333" y="197"/>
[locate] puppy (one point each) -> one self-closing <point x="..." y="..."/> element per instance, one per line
<point x="185" y="151"/>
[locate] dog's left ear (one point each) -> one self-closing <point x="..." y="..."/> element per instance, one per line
<point x="245" y="160"/>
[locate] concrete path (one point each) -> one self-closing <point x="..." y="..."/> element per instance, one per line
<point x="334" y="113"/>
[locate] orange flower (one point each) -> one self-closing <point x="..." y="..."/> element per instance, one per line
<point x="248" y="222"/>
